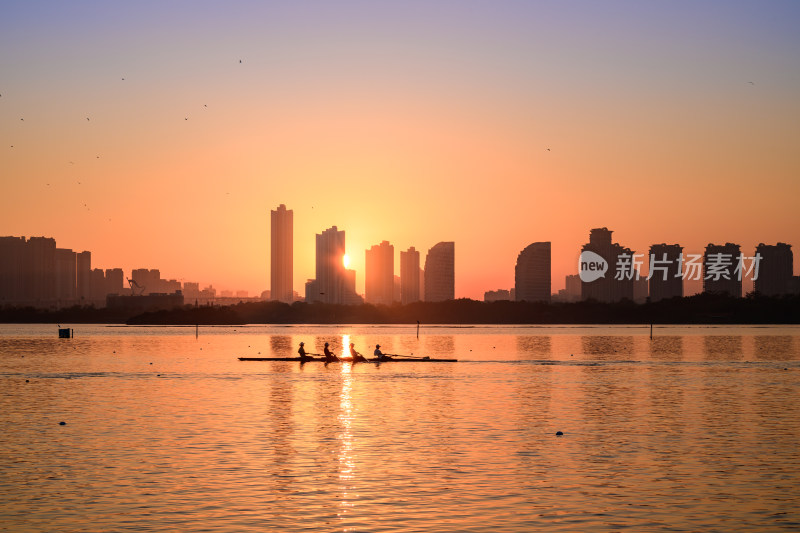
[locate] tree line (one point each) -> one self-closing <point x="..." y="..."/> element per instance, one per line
<point x="698" y="309"/>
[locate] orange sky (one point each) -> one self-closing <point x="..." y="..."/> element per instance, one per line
<point x="396" y="122"/>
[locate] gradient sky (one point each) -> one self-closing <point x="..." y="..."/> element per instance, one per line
<point x="413" y="122"/>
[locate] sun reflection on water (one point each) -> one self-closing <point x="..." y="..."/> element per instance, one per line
<point x="346" y="460"/>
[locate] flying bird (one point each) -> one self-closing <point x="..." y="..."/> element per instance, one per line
<point x="87" y="119"/>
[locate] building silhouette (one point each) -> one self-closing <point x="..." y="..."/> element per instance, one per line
<point x="379" y="274"/>
<point x="35" y="272"/>
<point x="84" y="269"/>
<point x="666" y="278"/>
<point x="532" y="273"/>
<point x="607" y="288"/>
<point x="409" y="276"/>
<point x="775" y="269"/>
<point x="12" y="269"/>
<point x="720" y="273"/>
<point x="499" y="295"/>
<point x="66" y="275"/>
<point x="281" y="258"/>
<point x="333" y="283"/>
<point x="149" y="281"/>
<point x="440" y="272"/>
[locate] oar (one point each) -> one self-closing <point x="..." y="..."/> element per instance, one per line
<point x="401" y="355"/>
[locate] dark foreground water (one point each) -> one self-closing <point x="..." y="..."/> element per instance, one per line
<point x="694" y="430"/>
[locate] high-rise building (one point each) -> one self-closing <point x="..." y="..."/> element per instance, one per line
<point x="84" y="266"/>
<point x="115" y="281"/>
<point x="12" y="270"/>
<point x="608" y="288"/>
<point x="333" y="283"/>
<point x="40" y="269"/>
<point x="440" y="272"/>
<point x="720" y="272"/>
<point x="775" y="269"/>
<point x="66" y="276"/>
<point x="379" y="267"/>
<point x="409" y="276"/>
<point x="665" y="279"/>
<point x="281" y="263"/>
<point x="572" y="287"/>
<point x="532" y="273"/>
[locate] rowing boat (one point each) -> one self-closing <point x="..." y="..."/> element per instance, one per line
<point x="350" y="360"/>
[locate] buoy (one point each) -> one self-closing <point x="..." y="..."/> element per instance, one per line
<point x="62" y="423"/>
<point x="559" y="433"/>
<point x="27" y="381"/>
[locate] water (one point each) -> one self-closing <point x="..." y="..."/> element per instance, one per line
<point x="694" y="430"/>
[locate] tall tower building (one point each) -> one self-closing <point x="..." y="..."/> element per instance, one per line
<point x="379" y="286"/>
<point x="84" y="267"/>
<point x="775" y="269"/>
<point x="409" y="276"/>
<point x="66" y="276"/>
<point x="40" y="275"/>
<point x="666" y="279"/>
<point x="440" y="272"/>
<point x="607" y="288"/>
<point x="12" y="270"/>
<point x="281" y="263"/>
<point x="720" y="274"/>
<point x="334" y="284"/>
<point x="532" y="273"/>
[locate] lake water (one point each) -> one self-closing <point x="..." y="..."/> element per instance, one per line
<point x="696" y="429"/>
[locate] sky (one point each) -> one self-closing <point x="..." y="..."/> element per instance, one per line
<point x="161" y="134"/>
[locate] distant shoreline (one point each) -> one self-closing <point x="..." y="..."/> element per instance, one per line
<point x="698" y="309"/>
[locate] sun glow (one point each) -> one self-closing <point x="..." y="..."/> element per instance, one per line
<point x="346" y="260"/>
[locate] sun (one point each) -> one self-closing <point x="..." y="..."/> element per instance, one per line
<point x="346" y="260"/>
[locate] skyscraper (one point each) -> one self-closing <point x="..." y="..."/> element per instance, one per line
<point x="666" y="279"/>
<point x="607" y="288"/>
<point x="440" y="272"/>
<point x="409" y="276"/>
<point x="40" y="272"/>
<point x="66" y="276"/>
<point x="720" y="273"/>
<point x="84" y="267"/>
<point x="379" y="265"/>
<point x="333" y="284"/>
<point x="281" y="263"/>
<point x="12" y="269"/>
<point x="775" y="269"/>
<point x="532" y="273"/>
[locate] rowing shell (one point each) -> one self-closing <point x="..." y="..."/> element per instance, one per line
<point x="350" y="360"/>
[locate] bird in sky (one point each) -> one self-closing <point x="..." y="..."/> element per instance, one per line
<point x="87" y="119"/>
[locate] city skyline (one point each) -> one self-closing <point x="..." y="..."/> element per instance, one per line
<point x="35" y="270"/>
<point x="490" y="126"/>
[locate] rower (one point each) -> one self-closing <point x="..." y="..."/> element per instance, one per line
<point x="357" y="357"/>
<point x="330" y="357"/>
<point x="303" y="356"/>
<point x="379" y="354"/>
